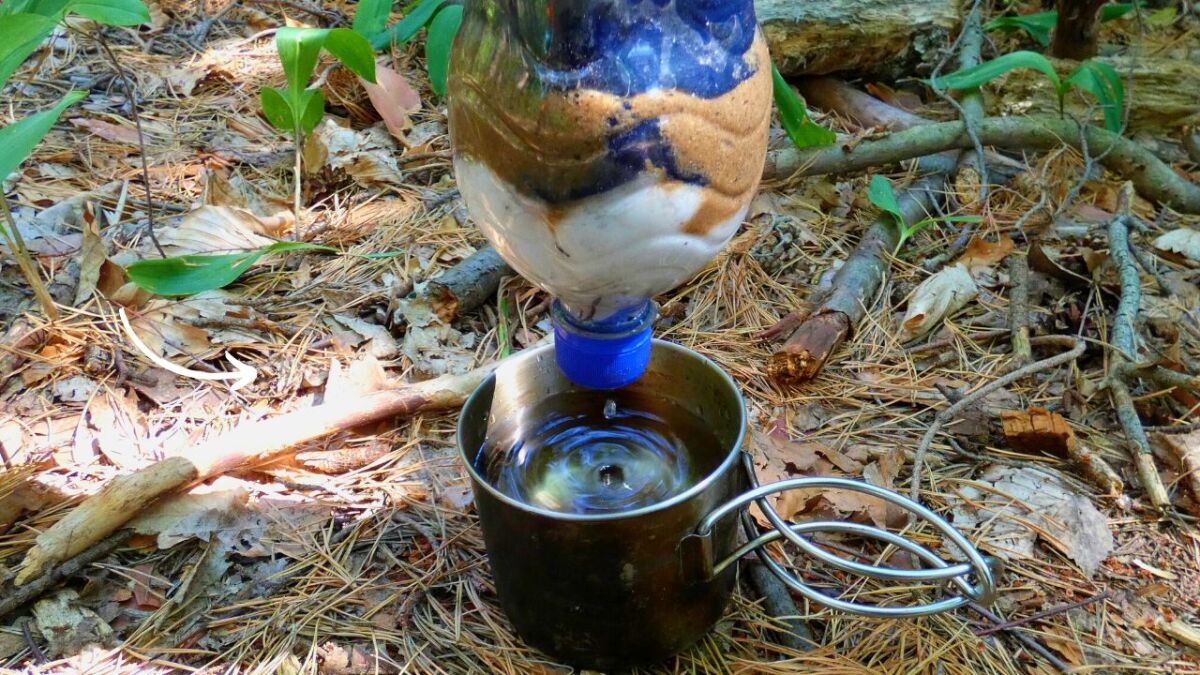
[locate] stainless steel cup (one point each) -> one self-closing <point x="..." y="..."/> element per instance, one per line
<point x="622" y="589"/>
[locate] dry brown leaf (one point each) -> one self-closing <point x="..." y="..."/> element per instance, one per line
<point x="113" y="425"/>
<point x="434" y="346"/>
<point x="213" y="230"/>
<point x="394" y="99"/>
<point x="196" y="515"/>
<point x="92" y="257"/>
<point x="364" y="375"/>
<point x="981" y="254"/>
<point x="367" y="156"/>
<point x="938" y="297"/>
<point x="1014" y="506"/>
<point x="68" y="626"/>
<point x="117" y="133"/>
<point x="1184" y="241"/>
<point x="381" y="343"/>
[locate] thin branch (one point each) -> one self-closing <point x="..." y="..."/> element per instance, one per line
<point x="1125" y="342"/>
<point x="1018" y="272"/>
<point x="1077" y="349"/>
<point x="1152" y="177"/>
<point x="1045" y="614"/>
<point x="137" y="121"/>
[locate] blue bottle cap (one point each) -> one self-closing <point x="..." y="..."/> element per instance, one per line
<point x="604" y="355"/>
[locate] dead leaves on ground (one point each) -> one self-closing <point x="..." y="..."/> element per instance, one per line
<point x="949" y="290"/>
<point x="1006" y="510"/>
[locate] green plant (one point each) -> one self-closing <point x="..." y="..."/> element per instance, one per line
<point x="191" y="274"/>
<point x="298" y="109"/>
<point x="1040" y="25"/>
<point x="24" y="24"/>
<point x="441" y="20"/>
<point x="1095" y="77"/>
<point x="882" y="194"/>
<point x="794" y="116"/>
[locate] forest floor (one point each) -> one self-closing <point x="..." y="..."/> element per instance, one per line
<point x="361" y="551"/>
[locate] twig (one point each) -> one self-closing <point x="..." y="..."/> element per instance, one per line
<point x="778" y="604"/>
<point x="1174" y="428"/>
<point x="1152" y="177"/>
<point x="20" y="252"/>
<point x="970" y="109"/>
<point x="202" y="28"/>
<point x="14" y="598"/>
<point x="803" y="356"/>
<point x="946" y="415"/>
<point x="1053" y="611"/>
<point x="467" y="285"/>
<point x="125" y="496"/>
<point x="786" y="325"/>
<point x="1018" y="272"/>
<point x="137" y="121"/>
<point x="1125" y="342"/>
<point x="1023" y="638"/>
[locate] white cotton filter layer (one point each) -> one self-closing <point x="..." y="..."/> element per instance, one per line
<point x="602" y="253"/>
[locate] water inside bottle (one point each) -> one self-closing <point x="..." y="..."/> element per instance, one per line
<point x="593" y="453"/>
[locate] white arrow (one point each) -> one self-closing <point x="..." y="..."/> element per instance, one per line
<point x="245" y="374"/>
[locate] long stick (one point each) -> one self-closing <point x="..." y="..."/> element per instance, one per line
<point x="1152" y="177"/>
<point x="125" y="496"/>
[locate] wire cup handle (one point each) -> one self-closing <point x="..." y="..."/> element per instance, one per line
<point x="698" y="548"/>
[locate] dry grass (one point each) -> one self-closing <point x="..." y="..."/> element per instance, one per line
<point x="394" y="576"/>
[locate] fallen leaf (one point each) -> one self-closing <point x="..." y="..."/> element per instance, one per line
<point x="11" y="644"/>
<point x="195" y="515"/>
<point x="434" y="346"/>
<point x="69" y="627"/>
<point x="364" y="375"/>
<point x="115" y="427"/>
<point x="1184" y="241"/>
<point x="118" y="133"/>
<point x="92" y="257"/>
<point x="394" y="99"/>
<point x="211" y="230"/>
<point x="75" y="389"/>
<point x="1013" y="507"/>
<point x="382" y="345"/>
<point x="938" y="297"/>
<point x="981" y="254"/>
<point x="367" y="156"/>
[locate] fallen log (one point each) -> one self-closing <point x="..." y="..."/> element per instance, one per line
<point x="1162" y="92"/>
<point x="885" y="38"/>
<point x="1152" y="177"/>
<point x="125" y="496"/>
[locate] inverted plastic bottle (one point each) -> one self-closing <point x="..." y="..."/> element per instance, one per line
<point x="608" y="149"/>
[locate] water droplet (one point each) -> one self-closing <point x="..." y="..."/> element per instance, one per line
<point x="610" y="409"/>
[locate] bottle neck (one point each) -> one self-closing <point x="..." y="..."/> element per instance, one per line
<point x="606" y="354"/>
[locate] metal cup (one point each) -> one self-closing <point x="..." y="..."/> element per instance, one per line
<point x="630" y="588"/>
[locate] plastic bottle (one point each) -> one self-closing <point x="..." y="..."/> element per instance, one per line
<point x="608" y="149"/>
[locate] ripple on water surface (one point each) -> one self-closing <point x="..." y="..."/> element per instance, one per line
<point x="587" y="453"/>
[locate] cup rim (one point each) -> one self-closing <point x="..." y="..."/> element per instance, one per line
<point x="700" y="487"/>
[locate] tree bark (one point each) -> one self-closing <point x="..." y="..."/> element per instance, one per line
<point x="884" y="38"/>
<point x="1076" y="32"/>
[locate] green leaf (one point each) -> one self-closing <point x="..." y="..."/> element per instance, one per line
<point x="881" y="194"/>
<point x="18" y="139"/>
<point x="438" y="43"/>
<point x="112" y="12"/>
<point x="406" y="28"/>
<point x="20" y="35"/>
<point x="191" y="274"/>
<point x="1117" y="10"/>
<point x="1039" y="25"/>
<point x="1103" y="81"/>
<point x="353" y="51"/>
<point x="976" y="76"/>
<point x="792" y="112"/>
<point x="370" y="17"/>
<point x="277" y="109"/>
<point x="51" y="8"/>
<point x="312" y="106"/>
<point x="298" y="51"/>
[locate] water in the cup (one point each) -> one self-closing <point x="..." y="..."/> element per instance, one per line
<point x="587" y="453"/>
